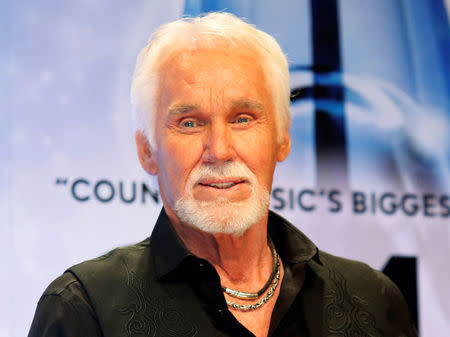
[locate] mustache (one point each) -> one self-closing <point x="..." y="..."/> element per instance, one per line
<point x="227" y="170"/>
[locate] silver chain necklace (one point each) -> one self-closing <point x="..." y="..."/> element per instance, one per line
<point x="273" y="281"/>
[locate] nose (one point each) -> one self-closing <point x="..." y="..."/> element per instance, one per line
<point x="218" y="144"/>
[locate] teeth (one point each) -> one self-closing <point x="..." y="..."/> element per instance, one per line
<point x="222" y="185"/>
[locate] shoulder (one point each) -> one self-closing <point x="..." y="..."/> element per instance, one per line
<point x="368" y="290"/>
<point x="112" y="276"/>
<point x="64" y="309"/>
<point x="356" y="274"/>
<point x="125" y="251"/>
<point x="353" y="269"/>
<point x="396" y="306"/>
<point x="346" y="266"/>
<point x="350" y="280"/>
<point x="65" y="286"/>
<point x="67" y="306"/>
<point x="121" y="256"/>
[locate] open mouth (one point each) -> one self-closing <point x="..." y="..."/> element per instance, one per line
<point x="221" y="185"/>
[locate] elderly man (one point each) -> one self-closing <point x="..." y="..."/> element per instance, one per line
<point x="211" y="103"/>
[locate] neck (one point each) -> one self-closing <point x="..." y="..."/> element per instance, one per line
<point x="244" y="261"/>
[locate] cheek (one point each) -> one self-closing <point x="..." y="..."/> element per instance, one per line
<point x="260" y="146"/>
<point x="260" y="157"/>
<point x="179" y="158"/>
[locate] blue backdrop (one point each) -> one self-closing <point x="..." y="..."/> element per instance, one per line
<point x="369" y="172"/>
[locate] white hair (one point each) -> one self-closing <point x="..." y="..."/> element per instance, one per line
<point x="206" y="32"/>
<point x="221" y="215"/>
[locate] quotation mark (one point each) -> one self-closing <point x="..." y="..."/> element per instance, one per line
<point x="61" y="181"/>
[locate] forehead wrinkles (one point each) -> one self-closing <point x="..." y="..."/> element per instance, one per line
<point x="216" y="73"/>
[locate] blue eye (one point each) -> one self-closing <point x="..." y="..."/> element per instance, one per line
<point x="243" y="120"/>
<point x="189" y="124"/>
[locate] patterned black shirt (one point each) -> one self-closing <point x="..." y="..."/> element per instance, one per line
<point x="305" y="306"/>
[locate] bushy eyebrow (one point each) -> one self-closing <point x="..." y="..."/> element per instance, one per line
<point x="181" y="109"/>
<point x="248" y="104"/>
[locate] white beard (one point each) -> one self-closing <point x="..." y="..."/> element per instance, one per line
<point x="222" y="215"/>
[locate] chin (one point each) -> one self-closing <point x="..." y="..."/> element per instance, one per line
<point x="223" y="216"/>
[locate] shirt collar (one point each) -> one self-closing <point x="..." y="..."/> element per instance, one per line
<point x="292" y="245"/>
<point x="169" y="251"/>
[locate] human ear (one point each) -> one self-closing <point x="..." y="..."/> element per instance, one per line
<point x="145" y="154"/>
<point x="284" y="147"/>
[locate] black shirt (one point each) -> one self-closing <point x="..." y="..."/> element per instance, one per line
<point x="65" y="308"/>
